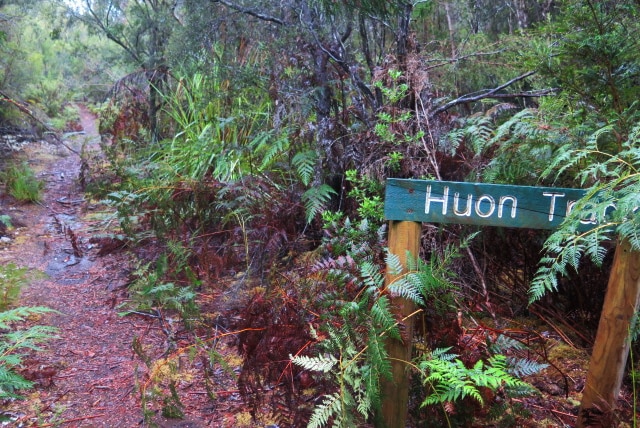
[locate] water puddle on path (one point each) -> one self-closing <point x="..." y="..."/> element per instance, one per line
<point x="66" y="264"/>
<point x="68" y="269"/>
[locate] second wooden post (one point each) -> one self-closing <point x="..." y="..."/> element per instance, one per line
<point x="611" y="348"/>
<point x="404" y="237"/>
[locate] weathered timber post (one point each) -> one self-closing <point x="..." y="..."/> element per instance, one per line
<point x="404" y="238"/>
<point x="611" y="347"/>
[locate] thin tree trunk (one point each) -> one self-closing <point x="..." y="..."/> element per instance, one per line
<point x="452" y="42"/>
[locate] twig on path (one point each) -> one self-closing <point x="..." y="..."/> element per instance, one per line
<point x="82" y="418"/>
<point x="153" y="313"/>
<point x="63" y="201"/>
<point x="48" y="406"/>
<point x="217" y="393"/>
<point x="126" y="393"/>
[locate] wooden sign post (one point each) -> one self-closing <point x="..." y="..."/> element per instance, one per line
<point x="611" y="348"/>
<point x="404" y="239"/>
<point x="410" y="202"/>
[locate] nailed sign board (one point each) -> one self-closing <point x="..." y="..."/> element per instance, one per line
<point x="479" y="204"/>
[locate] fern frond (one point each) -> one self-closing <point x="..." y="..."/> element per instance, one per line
<point x="383" y="317"/>
<point x="304" y="163"/>
<point x="545" y="281"/>
<point x="521" y="367"/>
<point x="323" y="363"/>
<point x="505" y="343"/>
<point x="11" y="382"/>
<point x="442" y="354"/>
<point x="272" y="147"/>
<point x="408" y="287"/>
<point x="315" y="200"/>
<point x="379" y="364"/>
<point x="394" y="266"/>
<point x="29" y="338"/>
<point x="324" y="412"/>
<point x="371" y="275"/>
<point x="452" y="380"/>
<point x="20" y="313"/>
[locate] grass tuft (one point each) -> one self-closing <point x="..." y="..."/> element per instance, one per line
<point x="22" y="184"/>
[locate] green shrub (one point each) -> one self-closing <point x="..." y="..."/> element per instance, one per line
<point x="12" y="278"/>
<point x="22" y="184"/>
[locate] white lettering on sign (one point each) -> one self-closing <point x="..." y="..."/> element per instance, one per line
<point x="492" y="206"/>
<point x="467" y="210"/>
<point x="484" y="206"/>
<point x="514" y="205"/>
<point x="444" y="200"/>
<point x="552" y="207"/>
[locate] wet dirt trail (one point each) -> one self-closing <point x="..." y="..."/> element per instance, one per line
<point x="85" y="377"/>
<point x="90" y="375"/>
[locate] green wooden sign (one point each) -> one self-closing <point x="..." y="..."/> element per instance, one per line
<point x="479" y="204"/>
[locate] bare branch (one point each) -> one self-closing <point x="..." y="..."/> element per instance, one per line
<point x="22" y="106"/>
<point x="492" y="93"/>
<point x="103" y="26"/>
<point x="527" y="94"/>
<point x="250" y="12"/>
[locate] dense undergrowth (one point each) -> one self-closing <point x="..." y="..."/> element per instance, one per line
<point x="223" y="198"/>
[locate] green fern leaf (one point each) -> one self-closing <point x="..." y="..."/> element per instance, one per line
<point x="324" y="412"/>
<point x="320" y="364"/>
<point x="383" y="318"/>
<point x="315" y="200"/>
<point x="521" y="367"/>
<point x="274" y="149"/>
<point x="304" y="163"/>
<point x="408" y="288"/>
<point x="20" y="313"/>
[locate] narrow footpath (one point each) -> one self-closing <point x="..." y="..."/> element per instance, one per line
<point x="85" y="377"/>
<point x="90" y="375"/>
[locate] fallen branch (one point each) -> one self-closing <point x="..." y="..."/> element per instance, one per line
<point x="493" y="93"/>
<point x="22" y="106"/>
